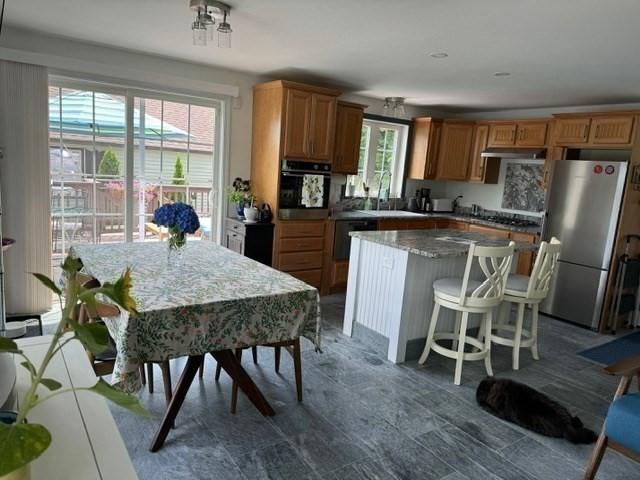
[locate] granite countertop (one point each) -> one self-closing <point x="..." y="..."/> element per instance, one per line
<point x="357" y="215"/>
<point x="437" y="243"/>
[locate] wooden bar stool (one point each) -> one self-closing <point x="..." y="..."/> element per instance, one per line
<point x="531" y="291"/>
<point x="467" y="296"/>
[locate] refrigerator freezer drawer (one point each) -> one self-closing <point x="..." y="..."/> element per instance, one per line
<point x="576" y="294"/>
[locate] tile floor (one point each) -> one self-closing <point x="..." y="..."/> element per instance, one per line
<point x="365" y="418"/>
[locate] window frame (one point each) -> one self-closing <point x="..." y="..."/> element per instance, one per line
<point x="398" y="161"/>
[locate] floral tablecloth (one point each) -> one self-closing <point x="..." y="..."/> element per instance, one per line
<point x="214" y="300"/>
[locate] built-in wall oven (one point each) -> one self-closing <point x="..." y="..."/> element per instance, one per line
<point x="304" y="190"/>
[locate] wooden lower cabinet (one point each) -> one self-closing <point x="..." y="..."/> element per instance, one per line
<point x="494" y="232"/>
<point x="339" y="273"/>
<point x="525" y="259"/>
<point x="300" y="249"/>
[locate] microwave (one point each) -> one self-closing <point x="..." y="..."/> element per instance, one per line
<point x="304" y="190"/>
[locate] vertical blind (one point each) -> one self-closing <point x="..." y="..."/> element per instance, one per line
<point x="24" y="178"/>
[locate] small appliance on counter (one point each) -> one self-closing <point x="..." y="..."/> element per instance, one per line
<point x="442" y="205"/>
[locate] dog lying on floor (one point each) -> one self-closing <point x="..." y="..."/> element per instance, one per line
<point x="524" y="406"/>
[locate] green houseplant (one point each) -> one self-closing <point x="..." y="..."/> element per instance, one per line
<point x="239" y="193"/>
<point x="21" y="442"/>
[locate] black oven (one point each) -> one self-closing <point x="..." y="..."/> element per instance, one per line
<point x="304" y="190"/>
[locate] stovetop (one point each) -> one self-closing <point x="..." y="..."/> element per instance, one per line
<point x="514" y="222"/>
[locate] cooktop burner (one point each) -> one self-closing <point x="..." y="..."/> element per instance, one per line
<point x="515" y="222"/>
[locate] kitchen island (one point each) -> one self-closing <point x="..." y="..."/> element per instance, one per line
<point x="389" y="286"/>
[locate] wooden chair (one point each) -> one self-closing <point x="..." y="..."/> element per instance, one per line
<point x="466" y="296"/>
<point x="621" y="430"/>
<point x="523" y="290"/>
<point x="104" y="362"/>
<point x="291" y="346"/>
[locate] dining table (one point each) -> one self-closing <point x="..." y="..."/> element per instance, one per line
<point x="212" y="300"/>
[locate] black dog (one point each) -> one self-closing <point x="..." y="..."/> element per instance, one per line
<point x="524" y="406"/>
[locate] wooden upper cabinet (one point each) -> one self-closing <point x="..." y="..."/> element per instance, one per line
<point x="611" y="130"/>
<point x="502" y="135"/>
<point x="533" y="134"/>
<point x="482" y="169"/>
<point x="309" y="125"/>
<point x="455" y="150"/>
<point x="424" y="148"/>
<point x="348" y="133"/>
<point x="572" y="130"/>
<point x="322" y="126"/>
<point x="297" y="142"/>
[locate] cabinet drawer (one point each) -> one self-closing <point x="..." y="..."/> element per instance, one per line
<point x="458" y="225"/>
<point x="494" y="232"/>
<point x="301" y="229"/>
<point x="300" y="261"/>
<point x="301" y="244"/>
<point x="523" y="237"/>
<point x="312" y="277"/>
<point x="421" y="224"/>
<point x="237" y="227"/>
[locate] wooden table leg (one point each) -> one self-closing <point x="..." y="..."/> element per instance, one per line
<point x="189" y="372"/>
<point x="228" y="361"/>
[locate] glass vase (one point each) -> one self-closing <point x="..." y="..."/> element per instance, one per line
<point x="177" y="243"/>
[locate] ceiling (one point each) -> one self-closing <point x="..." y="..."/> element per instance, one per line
<point x="559" y="53"/>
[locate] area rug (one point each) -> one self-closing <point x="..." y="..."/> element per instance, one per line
<point x="615" y="350"/>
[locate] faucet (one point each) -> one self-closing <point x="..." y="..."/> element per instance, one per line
<point x="386" y="172"/>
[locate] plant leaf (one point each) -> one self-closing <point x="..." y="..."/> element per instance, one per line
<point x="94" y="336"/>
<point x="21" y="444"/>
<point x="8" y="345"/>
<point x="50" y="383"/>
<point x="71" y="265"/>
<point x="120" y="292"/>
<point x="47" y="282"/>
<point x="29" y="367"/>
<point x="125" y="400"/>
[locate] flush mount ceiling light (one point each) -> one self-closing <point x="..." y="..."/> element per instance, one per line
<point x="207" y="11"/>
<point x="394" y="106"/>
<point x="439" y="55"/>
<point x="501" y="74"/>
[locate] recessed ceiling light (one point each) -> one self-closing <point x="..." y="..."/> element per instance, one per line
<point x="501" y="74"/>
<point x="439" y="55"/>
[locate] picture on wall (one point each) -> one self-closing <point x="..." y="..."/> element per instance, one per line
<point x="523" y="187"/>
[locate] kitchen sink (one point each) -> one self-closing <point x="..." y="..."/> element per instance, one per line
<point x="389" y="213"/>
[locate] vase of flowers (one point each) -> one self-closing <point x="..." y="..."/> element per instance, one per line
<point x="239" y="193"/>
<point x="180" y="219"/>
<point x="22" y="442"/>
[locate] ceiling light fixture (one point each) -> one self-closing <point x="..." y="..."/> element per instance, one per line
<point x="207" y="11"/>
<point x="439" y="55"/>
<point x="501" y="74"/>
<point x="394" y="107"/>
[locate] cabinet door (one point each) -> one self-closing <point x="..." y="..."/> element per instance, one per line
<point x="424" y="148"/>
<point x="235" y="242"/>
<point x="502" y="135"/>
<point x="572" y="130"/>
<point x="532" y="134"/>
<point x="393" y="224"/>
<point x="614" y="130"/>
<point x="347" y="145"/>
<point x="477" y="163"/>
<point x="323" y="123"/>
<point x="297" y="142"/>
<point x="455" y="150"/>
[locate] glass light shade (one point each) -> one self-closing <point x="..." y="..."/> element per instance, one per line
<point x="224" y="35"/>
<point x="399" y="110"/>
<point x="199" y="34"/>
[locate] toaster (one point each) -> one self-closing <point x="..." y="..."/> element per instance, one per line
<point x="442" y="205"/>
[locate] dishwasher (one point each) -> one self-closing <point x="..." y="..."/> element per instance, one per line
<point x="342" y="240"/>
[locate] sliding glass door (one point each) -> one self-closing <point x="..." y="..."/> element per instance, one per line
<point x="117" y="154"/>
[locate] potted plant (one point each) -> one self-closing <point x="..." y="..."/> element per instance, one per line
<point x="239" y="193"/>
<point x="22" y="442"/>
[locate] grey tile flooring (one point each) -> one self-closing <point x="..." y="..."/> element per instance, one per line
<point x="365" y="418"/>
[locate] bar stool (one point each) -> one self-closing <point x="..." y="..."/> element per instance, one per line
<point x="531" y="291"/>
<point x="467" y="296"/>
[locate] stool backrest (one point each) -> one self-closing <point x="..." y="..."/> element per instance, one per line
<point x="543" y="268"/>
<point x="495" y="263"/>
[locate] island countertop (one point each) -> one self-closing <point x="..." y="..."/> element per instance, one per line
<point x="438" y="243"/>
